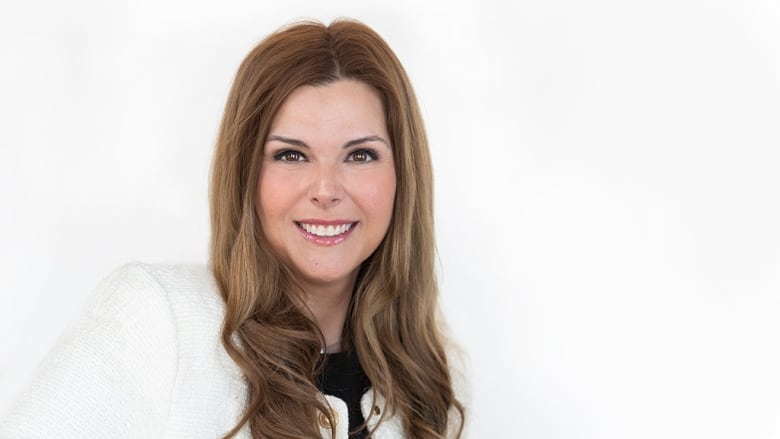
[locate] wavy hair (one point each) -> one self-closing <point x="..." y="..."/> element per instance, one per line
<point x="391" y="321"/>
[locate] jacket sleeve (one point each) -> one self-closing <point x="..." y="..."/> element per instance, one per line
<point x="112" y="374"/>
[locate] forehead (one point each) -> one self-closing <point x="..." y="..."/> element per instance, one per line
<point x="343" y="107"/>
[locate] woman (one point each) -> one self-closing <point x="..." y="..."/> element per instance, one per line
<point x="317" y="316"/>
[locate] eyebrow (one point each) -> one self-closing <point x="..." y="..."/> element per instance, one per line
<point x="303" y="144"/>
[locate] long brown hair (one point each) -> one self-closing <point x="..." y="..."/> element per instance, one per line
<point x="391" y="322"/>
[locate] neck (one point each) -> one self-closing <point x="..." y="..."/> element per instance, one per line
<point x="329" y="304"/>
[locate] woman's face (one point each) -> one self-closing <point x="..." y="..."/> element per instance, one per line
<point x="327" y="181"/>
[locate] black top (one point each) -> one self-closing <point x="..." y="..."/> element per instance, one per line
<point x="343" y="377"/>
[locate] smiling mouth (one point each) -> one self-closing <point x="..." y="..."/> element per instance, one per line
<point x="326" y="231"/>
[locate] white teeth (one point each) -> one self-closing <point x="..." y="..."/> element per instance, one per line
<point x="330" y="230"/>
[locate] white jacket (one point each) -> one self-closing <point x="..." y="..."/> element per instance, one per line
<point x="145" y="360"/>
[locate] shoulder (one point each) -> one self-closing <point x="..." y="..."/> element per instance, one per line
<point x="182" y="289"/>
<point x="143" y="358"/>
<point x="116" y="365"/>
<point x="458" y="362"/>
<point x="183" y="297"/>
<point x="165" y="278"/>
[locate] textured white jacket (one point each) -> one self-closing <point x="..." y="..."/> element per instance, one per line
<point x="145" y="360"/>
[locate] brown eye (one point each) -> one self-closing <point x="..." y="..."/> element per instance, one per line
<point x="289" y="156"/>
<point x="362" y="156"/>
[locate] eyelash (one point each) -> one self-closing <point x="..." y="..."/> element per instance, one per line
<point x="284" y="155"/>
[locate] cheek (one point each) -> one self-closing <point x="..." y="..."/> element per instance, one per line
<point x="270" y="202"/>
<point x="377" y="195"/>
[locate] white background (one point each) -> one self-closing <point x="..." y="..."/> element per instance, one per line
<point x="607" y="177"/>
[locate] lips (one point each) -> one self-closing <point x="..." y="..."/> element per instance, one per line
<point x="326" y="230"/>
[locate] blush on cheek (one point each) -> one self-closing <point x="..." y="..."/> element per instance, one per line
<point x="380" y="188"/>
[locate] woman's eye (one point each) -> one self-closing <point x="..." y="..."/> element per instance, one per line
<point x="289" y="156"/>
<point x="362" y="155"/>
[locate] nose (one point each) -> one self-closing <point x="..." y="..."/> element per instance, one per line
<point x="326" y="189"/>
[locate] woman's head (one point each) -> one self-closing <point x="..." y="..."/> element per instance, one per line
<point x="311" y="54"/>
<point x="391" y="320"/>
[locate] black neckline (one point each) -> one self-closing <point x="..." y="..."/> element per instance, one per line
<point x="342" y="376"/>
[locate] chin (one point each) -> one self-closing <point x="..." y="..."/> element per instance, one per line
<point x="327" y="278"/>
